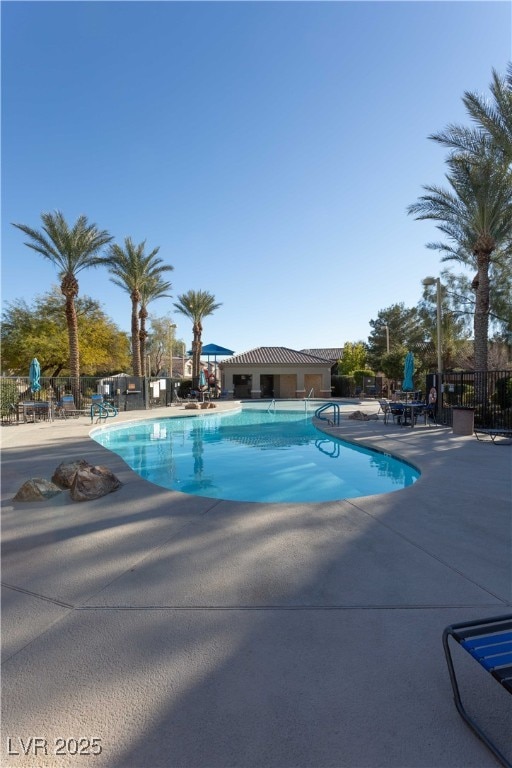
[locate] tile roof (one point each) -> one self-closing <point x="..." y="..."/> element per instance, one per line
<point x="278" y="355"/>
<point x="328" y="353"/>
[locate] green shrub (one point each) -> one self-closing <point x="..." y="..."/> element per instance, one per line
<point x="361" y="375"/>
<point x="8" y="395"/>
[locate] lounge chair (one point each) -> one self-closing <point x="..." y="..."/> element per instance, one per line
<point x="66" y="407"/>
<point x="489" y="434"/>
<point x="489" y="642"/>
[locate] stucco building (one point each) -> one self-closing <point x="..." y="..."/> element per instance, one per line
<point x="276" y="372"/>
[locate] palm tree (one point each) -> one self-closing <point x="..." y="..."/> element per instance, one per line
<point x="70" y="249"/>
<point x="476" y="216"/>
<point x="492" y="119"/>
<point x="156" y="288"/>
<point x="196" y="305"/>
<point x="133" y="270"/>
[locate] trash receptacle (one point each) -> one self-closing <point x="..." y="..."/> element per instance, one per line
<point x="463" y="421"/>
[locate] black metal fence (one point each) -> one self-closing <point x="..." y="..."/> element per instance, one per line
<point x="489" y="393"/>
<point x="126" y="393"/>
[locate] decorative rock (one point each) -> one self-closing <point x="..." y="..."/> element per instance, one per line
<point x="37" y="489"/>
<point x="92" y="483"/>
<point x="192" y="407"/>
<point x="360" y="416"/>
<point x="66" y="471"/>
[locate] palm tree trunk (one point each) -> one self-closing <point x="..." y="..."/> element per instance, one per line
<point x="481" y="325"/>
<point x="74" y="354"/>
<point x="135" y="338"/>
<point x="481" y="318"/>
<point x="142" y="342"/>
<point x="72" y="323"/>
<point x="196" y="354"/>
<point x="143" y="334"/>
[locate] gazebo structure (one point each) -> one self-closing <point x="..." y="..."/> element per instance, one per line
<point x="215" y="351"/>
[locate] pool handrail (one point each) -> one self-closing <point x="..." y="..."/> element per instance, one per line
<point x="335" y="416"/>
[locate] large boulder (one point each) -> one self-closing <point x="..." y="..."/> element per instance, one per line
<point x="66" y="471"/>
<point x="37" y="489"/>
<point x="92" y="483"/>
<point x="361" y="416"/>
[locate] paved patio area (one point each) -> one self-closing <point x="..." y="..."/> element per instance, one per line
<point x="188" y="632"/>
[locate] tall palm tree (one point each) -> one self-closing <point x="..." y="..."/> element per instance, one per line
<point x="492" y="119"/>
<point x="476" y="216"/>
<point x="156" y="288"/>
<point x="71" y="250"/>
<point x="132" y="270"/>
<point x="196" y="305"/>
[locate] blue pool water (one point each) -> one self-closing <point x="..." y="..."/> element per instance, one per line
<point x="252" y="455"/>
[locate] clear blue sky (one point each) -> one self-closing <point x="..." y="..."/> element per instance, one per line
<point x="269" y="148"/>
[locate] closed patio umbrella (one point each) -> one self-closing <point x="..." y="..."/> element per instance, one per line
<point x="34" y="375"/>
<point x="408" y="384"/>
<point x="202" y="381"/>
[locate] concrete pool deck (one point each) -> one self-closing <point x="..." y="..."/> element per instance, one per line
<point x="189" y="632"/>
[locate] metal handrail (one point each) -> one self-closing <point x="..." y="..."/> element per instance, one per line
<point x="272" y="403"/>
<point x="307" y="399"/>
<point x="103" y="411"/>
<point x="335" y="416"/>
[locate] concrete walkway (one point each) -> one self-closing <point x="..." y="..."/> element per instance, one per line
<point x="188" y="632"/>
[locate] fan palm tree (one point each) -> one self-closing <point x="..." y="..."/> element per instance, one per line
<point x="196" y="305"/>
<point x="133" y="270"/>
<point x="155" y="288"/>
<point x="476" y="216"/>
<point x="71" y="250"/>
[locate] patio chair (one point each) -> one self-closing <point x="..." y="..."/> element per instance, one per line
<point x="429" y="413"/>
<point x="384" y="407"/>
<point x="66" y="407"/>
<point x="396" y="412"/>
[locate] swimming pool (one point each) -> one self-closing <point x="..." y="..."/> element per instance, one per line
<point x="253" y="455"/>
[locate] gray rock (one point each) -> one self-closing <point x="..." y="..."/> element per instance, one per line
<point x="37" y="489"/>
<point x="66" y="471"/>
<point x="92" y="483"/>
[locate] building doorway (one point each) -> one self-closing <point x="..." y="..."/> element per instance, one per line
<point x="242" y="384"/>
<point x="267" y="385"/>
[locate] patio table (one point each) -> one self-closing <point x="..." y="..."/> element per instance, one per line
<point x="37" y="410"/>
<point x="411" y="411"/>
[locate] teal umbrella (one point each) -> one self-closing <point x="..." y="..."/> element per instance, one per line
<point x="34" y="375"/>
<point x="408" y="384"/>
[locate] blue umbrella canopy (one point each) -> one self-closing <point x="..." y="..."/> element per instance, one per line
<point x="408" y="384"/>
<point x="214" y="350"/>
<point x="34" y="375"/>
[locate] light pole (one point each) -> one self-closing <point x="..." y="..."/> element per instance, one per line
<point x="172" y="328"/>
<point x="437" y="282"/>
<point x="387" y="338"/>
